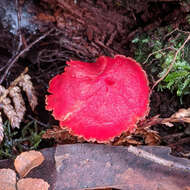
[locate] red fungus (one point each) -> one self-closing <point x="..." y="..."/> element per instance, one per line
<point x="100" y="100"/>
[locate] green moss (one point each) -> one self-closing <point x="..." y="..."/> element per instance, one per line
<point x="17" y="141"/>
<point x="160" y="48"/>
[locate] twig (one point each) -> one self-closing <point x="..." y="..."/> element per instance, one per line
<point x="39" y="122"/>
<point x="144" y="154"/>
<point x="12" y="61"/>
<point x="19" y="27"/>
<point x="173" y="61"/>
<point x="176" y="29"/>
<point x="161" y="50"/>
<point x="109" y="187"/>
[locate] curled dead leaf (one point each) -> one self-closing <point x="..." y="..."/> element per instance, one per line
<point x="26" y="161"/>
<point x="150" y="137"/>
<point x="7" y="179"/>
<point x="19" y="105"/>
<point x="32" y="184"/>
<point x="12" y="102"/>
<point x="9" y="109"/>
<point x="28" y="87"/>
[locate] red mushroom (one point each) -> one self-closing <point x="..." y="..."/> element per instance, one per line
<point x="100" y="100"/>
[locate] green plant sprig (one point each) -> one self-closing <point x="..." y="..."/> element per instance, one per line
<point x="169" y="58"/>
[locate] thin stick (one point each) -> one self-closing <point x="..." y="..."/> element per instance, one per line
<point x="144" y="154"/>
<point x="19" y="27"/>
<point x="171" y="65"/>
<point x="39" y="122"/>
<point x="13" y="60"/>
<point x="161" y="50"/>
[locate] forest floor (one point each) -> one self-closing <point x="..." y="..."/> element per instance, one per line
<point x="84" y="30"/>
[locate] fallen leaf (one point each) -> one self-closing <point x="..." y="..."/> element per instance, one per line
<point x="19" y="105"/>
<point x="32" y="184"/>
<point x="150" y="137"/>
<point x="27" y="85"/>
<point x="26" y="161"/>
<point x="7" y="179"/>
<point x="12" y="102"/>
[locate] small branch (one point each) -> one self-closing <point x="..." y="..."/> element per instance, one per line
<point x="144" y="154"/>
<point x="13" y="60"/>
<point x="161" y="50"/>
<point x="171" y="65"/>
<point x="19" y="26"/>
<point x="39" y="122"/>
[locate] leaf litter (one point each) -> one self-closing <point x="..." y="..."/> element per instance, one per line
<point x="15" y="113"/>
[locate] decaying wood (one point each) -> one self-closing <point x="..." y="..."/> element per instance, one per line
<point x="92" y="28"/>
<point x="144" y="154"/>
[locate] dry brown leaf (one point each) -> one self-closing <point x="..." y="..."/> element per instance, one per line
<point x="182" y="113"/>
<point x="1" y="129"/>
<point x="27" y="86"/>
<point x="7" y="179"/>
<point x="26" y="161"/>
<point x="9" y="109"/>
<point x="15" y="94"/>
<point x="150" y="137"/>
<point x="32" y="184"/>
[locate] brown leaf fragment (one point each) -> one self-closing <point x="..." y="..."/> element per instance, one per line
<point x="9" y="109"/>
<point x="26" y="161"/>
<point x="32" y="184"/>
<point x="1" y="129"/>
<point x="182" y="113"/>
<point x="15" y="94"/>
<point x="27" y="86"/>
<point x="7" y="179"/>
<point x="167" y="123"/>
<point x="150" y="137"/>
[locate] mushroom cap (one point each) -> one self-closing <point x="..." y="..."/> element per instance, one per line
<point x="100" y="100"/>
